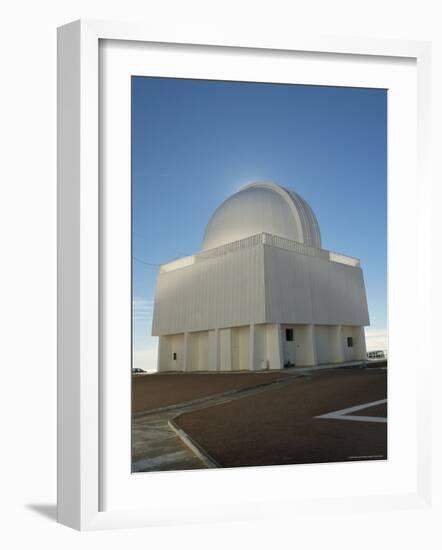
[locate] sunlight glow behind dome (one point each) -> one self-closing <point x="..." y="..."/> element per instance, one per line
<point x="262" y="207"/>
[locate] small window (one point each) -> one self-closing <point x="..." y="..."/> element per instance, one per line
<point x="289" y="334"/>
<point x="350" y="342"/>
<point x="174" y="356"/>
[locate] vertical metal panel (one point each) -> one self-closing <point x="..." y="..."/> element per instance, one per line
<point x="287" y="287"/>
<point x="303" y="289"/>
<point x="219" y="292"/>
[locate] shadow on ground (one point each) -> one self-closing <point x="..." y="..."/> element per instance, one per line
<point x="49" y="511"/>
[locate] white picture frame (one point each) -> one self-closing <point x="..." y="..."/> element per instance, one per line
<point x="80" y="268"/>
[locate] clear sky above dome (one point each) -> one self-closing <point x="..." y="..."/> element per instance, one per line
<point x="195" y="143"/>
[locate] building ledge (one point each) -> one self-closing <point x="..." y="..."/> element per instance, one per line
<point x="256" y="240"/>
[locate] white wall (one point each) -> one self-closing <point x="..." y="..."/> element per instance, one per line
<point x="289" y="347"/>
<point x="258" y="335"/>
<point x="360" y="346"/>
<point x="310" y="290"/>
<point x="322" y="342"/>
<point x="305" y="348"/>
<point x="198" y="351"/>
<point x="347" y="332"/>
<point x="358" y="351"/>
<point x="168" y="345"/>
<point x="336" y="344"/>
<point x="258" y="347"/>
<point x="261" y="284"/>
<point x="219" y="292"/>
<point x="274" y="346"/>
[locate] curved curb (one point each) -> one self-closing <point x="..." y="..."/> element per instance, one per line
<point x="194" y="446"/>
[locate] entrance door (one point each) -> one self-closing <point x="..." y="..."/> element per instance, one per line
<point x="289" y="347"/>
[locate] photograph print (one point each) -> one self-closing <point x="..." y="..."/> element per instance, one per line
<point x="259" y="274"/>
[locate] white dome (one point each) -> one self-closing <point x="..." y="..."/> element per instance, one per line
<point x="263" y="207"/>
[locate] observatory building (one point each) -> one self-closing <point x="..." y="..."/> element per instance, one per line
<point x="262" y="293"/>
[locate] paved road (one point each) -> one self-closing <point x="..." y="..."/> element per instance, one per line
<point x="318" y="418"/>
<point x="155" y="445"/>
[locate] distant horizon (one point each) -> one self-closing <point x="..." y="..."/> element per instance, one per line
<point x="195" y="143"/>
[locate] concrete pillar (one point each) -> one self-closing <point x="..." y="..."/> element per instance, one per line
<point x="274" y="346"/>
<point x="252" y="348"/>
<point x="203" y="350"/>
<point x="225" y="349"/>
<point x="214" y="350"/>
<point x="260" y="360"/>
<point x="160" y="346"/>
<point x="161" y="366"/>
<point x="280" y="349"/>
<point x="310" y="346"/>
<point x="336" y="344"/>
<point x="360" y="349"/>
<point x="186" y="352"/>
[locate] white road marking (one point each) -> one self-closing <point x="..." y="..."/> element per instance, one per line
<point x="343" y="414"/>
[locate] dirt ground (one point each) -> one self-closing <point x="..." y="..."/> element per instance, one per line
<point x="160" y="390"/>
<point x="279" y="426"/>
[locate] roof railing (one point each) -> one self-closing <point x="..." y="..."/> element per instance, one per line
<point x="260" y="239"/>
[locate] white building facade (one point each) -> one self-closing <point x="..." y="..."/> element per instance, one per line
<point x="262" y="294"/>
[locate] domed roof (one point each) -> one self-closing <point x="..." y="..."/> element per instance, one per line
<point x="263" y="207"/>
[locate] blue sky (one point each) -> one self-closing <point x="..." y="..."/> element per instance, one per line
<point x="195" y="142"/>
